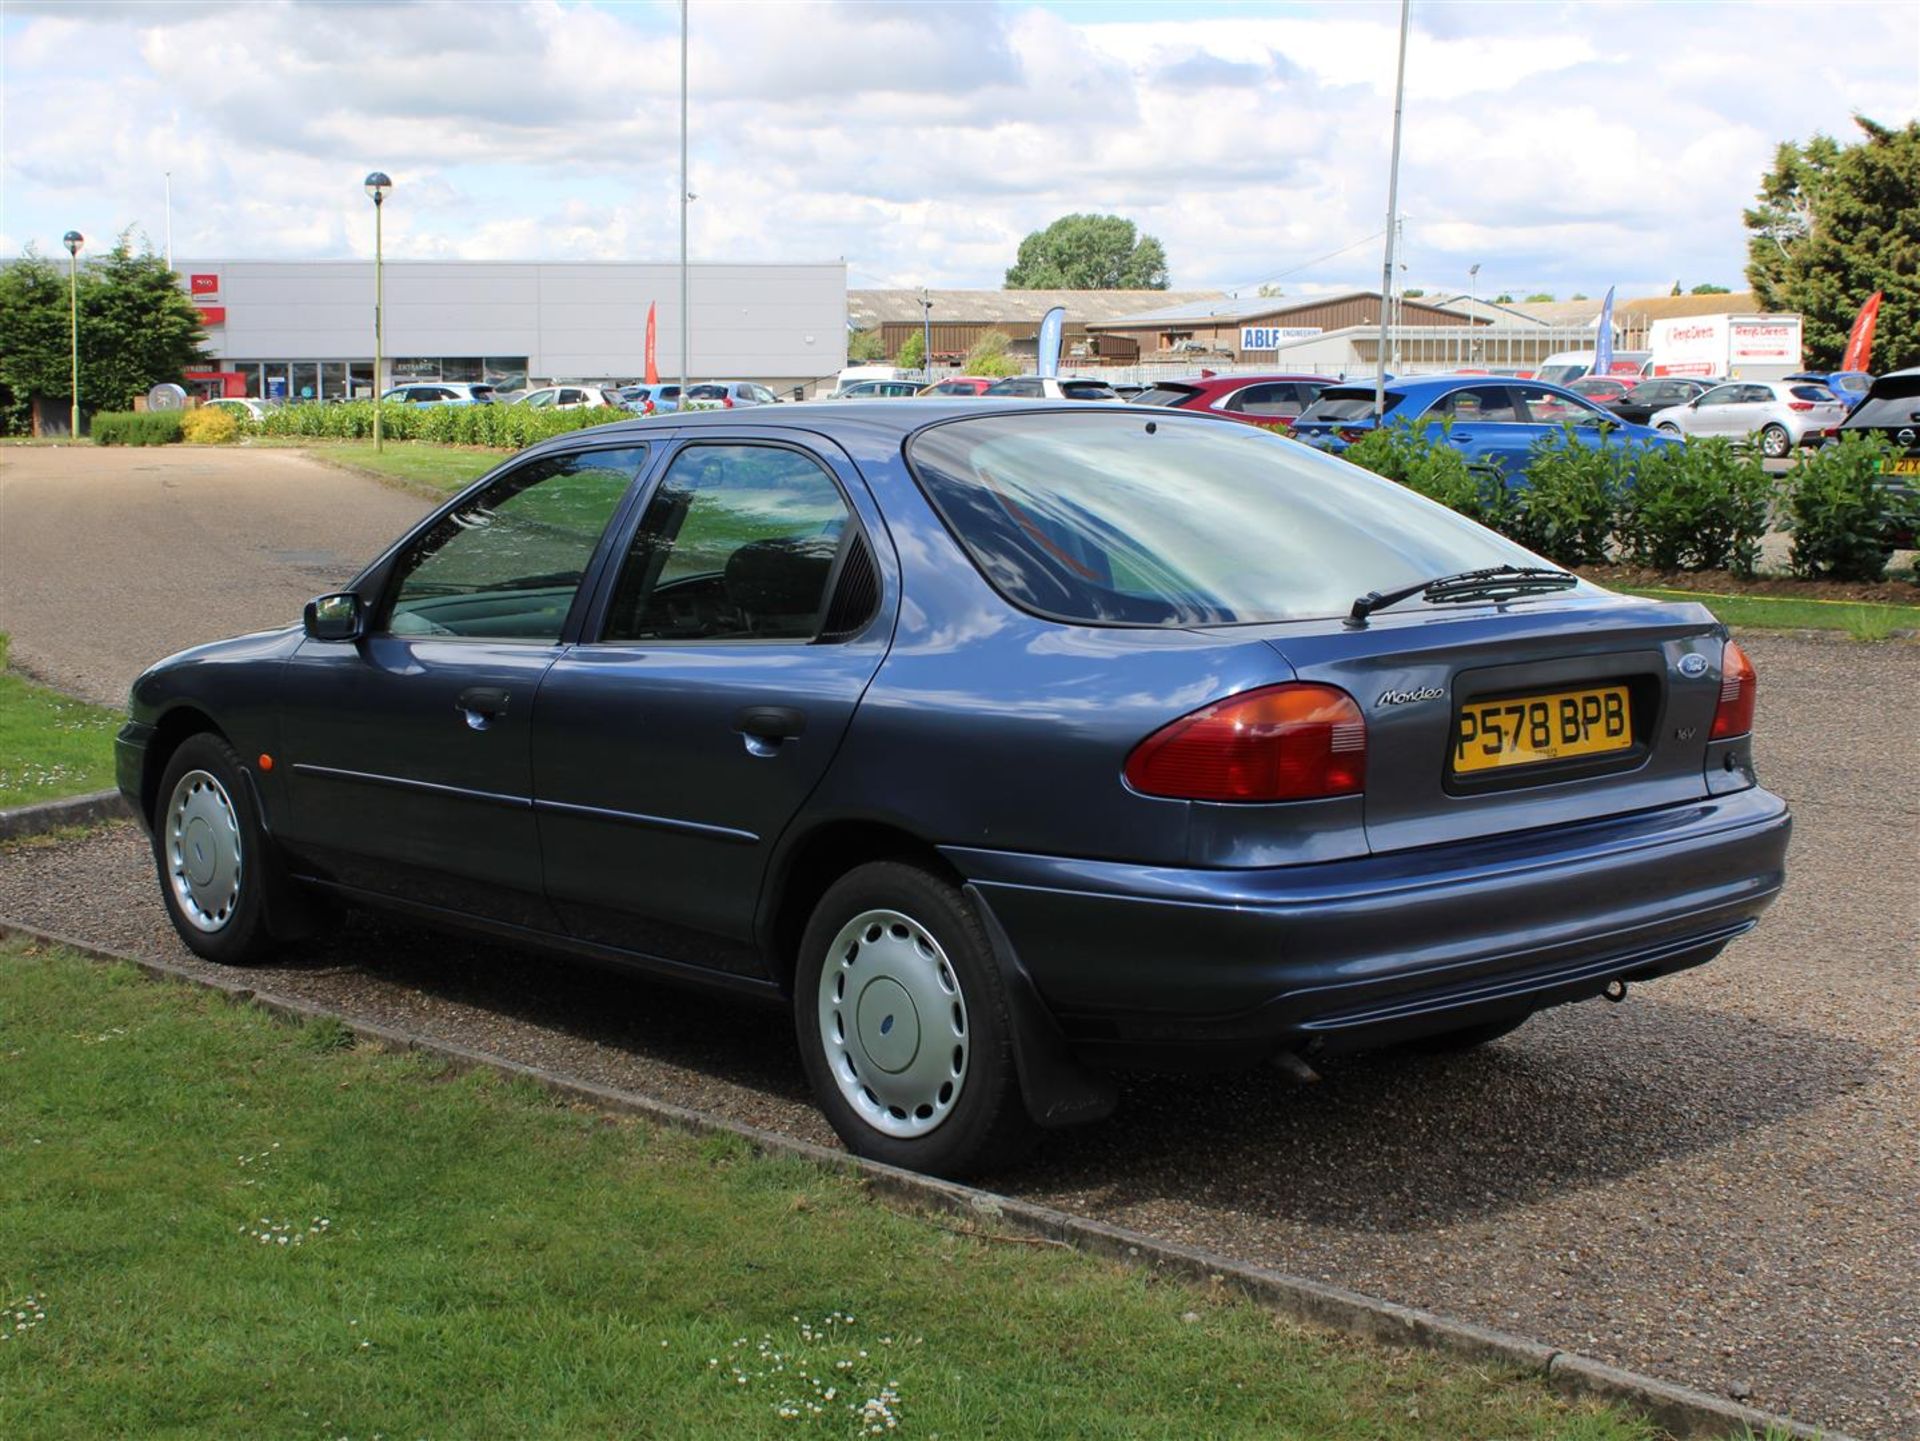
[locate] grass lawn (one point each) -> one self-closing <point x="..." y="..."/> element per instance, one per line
<point x="212" y="1224"/>
<point x="50" y="744"/>
<point x="1860" y="619"/>
<point x="419" y="464"/>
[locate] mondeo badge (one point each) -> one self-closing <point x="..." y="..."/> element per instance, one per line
<point x="1407" y="697"/>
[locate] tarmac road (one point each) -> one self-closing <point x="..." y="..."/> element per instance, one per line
<point x="1714" y="1182"/>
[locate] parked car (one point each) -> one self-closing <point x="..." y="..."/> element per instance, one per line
<point x="1780" y="414"/>
<point x="243" y="407"/>
<point x="1004" y="743"/>
<point x="570" y="397"/>
<point x="440" y="392"/>
<point x="729" y="393"/>
<point x="958" y="385"/>
<point x="1601" y="389"/>
<point x="1255" y="399"/>
<point x="1638" y="404"/>
<point x="1848" y="386"/>
<point x="1050" y="387"/>
<point x="1891" y="410"/>
<point x="650" y="399"/>
<point x="877" y="390"/>
<point x="1493" y="422"/>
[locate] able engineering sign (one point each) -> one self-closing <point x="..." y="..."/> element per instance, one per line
<point x="1270" y="337"/>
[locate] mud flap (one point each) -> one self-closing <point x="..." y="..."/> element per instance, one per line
<point x="1057" y="1088"/>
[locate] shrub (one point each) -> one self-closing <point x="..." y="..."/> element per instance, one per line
<point x="136" y="427"/>
<point x="989" y="356"/>
<point x="1565" y="511"/>
<point x="215" y="426"/>
<point x="507" y="427"/>
<point x="1839" y="511"/>
<point x="1407" y="454"/>
<point x="1699" y="506"/>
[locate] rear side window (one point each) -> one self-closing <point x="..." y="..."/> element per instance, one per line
<point x="1109" y="517"/>
<point x="1346" y="403"/>
<point x="1087" y="390"/>
<point x="1166" y="394"/>
<point x="739" y="543"/>
<point x="1488" y="404"/>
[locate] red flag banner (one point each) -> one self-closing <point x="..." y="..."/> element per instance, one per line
<point x="1860" y="338"/>
<point x="653" y="369"/>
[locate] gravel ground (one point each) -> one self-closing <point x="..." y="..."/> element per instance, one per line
<point x="222" y="541"/>
<point x="1714" y="1182"/>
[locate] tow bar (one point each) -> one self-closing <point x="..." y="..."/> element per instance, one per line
<point x="1616" y="990"/>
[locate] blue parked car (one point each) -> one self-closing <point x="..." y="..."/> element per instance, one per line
<point x="1850" y="386"/>
<point x="1493" y="421"/>
<point x="1005" y="743"/>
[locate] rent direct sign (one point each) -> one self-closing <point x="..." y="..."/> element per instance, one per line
<point x="204" y="284"/>
<point x="1269" y="337"/>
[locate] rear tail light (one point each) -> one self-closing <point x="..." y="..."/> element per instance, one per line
<point x="1279" y="743"/>
<point x="1799" y="405"/>
<point x="726" y="402"/>
<point x="1349" y="434"/>
<point x="1734" y="715"/>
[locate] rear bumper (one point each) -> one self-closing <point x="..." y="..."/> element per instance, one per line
<point x="1229" y="965"/>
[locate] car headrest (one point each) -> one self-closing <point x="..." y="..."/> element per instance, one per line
<point x="784" y="576"/>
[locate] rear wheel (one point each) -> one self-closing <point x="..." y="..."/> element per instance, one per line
<point x="904" y="1025"/>
<point x="212" y="855"/>
<point x="1466" y="1038"/>
<point x="1667" y="427"/>
<point x="1775" y="442"/>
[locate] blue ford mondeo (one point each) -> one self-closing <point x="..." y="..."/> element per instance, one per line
<point x="1006" y="743"/>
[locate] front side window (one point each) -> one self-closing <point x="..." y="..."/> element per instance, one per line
<point x="506" y="565"/>
<point x="1480" y="403"/>
<point x="1721" y="395"/>
<point x="1549" y="407"/>
<point x="1109" y="517"/>
<point x="738" y="544"/>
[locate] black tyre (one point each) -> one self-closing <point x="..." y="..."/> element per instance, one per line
<point x="904" y="1025"/>
<point x="1667" y="427"/>
<point x="214" y="861"/>
<point x="1775" y="442"/>
<point x="1466" y="1038"/>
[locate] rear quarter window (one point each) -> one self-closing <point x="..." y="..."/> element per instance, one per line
<point x="1346" y="403"/>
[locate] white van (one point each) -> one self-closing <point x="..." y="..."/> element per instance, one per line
<point x="1564" y="366"/>
<point x="870" y="372"/>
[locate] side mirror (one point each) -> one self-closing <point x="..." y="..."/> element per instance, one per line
<point x="340" y="616"/>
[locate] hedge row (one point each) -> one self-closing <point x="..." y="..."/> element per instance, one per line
<point x="1703" y="505"/>
<point x="136" y="427"/>
<point x="509" y="427"/>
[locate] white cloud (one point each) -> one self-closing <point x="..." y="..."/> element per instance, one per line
<point x="1563" y="146"/>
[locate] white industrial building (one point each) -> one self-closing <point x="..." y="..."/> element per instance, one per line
<point x="304" y="329"/>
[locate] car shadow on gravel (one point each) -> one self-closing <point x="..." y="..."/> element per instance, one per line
<point x="1395" y="1142"/>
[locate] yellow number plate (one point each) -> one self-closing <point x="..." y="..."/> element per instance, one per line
<point x="1904" y="465"/>
<point x="1526" y="730"/>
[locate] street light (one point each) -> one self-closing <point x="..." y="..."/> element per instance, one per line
<point x="1473" y="287"/>
<point x="377" y="187"/>
<point x="73" y="240"/>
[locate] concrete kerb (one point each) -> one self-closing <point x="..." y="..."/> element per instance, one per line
<point x="43" y="816"/>
<point x="1679" y="1410"/>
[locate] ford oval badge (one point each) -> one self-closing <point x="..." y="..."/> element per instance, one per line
<point x="1693" y="664"/>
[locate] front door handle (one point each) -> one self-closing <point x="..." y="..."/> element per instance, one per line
<point x="771" y="722"/>
<point x="481" y="705"/>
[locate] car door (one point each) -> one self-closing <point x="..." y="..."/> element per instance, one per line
<point x="408" y="752"/>
<point x="728" y="654"/>
<point x="1482" y="423"/>
<point x="1717" y="412"/>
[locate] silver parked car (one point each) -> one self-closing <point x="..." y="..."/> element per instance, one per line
<point x="1782" y="413"/>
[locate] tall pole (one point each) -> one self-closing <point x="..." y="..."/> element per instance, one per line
<point x="169" y="220"/>
<point x="686" y="310"/>
<point x="379" y="317"/>
<point x="1473" y="297"/>
<point x="926" y="335"/>
<point x="73" y="241"/>
<point x="1393" y="216"/>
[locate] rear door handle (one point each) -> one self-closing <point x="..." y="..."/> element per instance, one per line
<point x="481" y="705"/>
<point x="771" y="722"/>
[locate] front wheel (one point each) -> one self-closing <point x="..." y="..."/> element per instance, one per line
<point x="212" y="855"/>
<point x="905" y="1025"/>
<point x="1775" y="442"/>
<point x="1667" y="427"/>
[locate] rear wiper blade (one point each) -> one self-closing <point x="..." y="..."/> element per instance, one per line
<point x="1494" y="582"/>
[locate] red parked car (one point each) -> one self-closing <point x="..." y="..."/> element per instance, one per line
<point x="1604" y="389"/>
<point x="1255" y="399"/>
<point x="958" y="385"/>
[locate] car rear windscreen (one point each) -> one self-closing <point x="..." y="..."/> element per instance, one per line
<point x="1166" y="393"/>
<point x="1108" y="517"/>
<point x="1345" y="402"/>
<point x="1894" y="400"/>
<point x="1819" y="394"/>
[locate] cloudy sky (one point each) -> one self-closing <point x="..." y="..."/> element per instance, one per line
<point x="1561" y="146"/>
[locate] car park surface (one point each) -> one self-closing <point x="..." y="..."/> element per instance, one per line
<point x="1711" y="1182"/>
<point x="690" y="652"/>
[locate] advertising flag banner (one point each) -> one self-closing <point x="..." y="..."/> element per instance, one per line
<point x="1603" y="337"/>
<point x="653" y="369"/>
<point x="1050" y="331"/>
<point x="1860" y="338"/>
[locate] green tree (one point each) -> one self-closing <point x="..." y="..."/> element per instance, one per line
<point x="1833" y="225"/>
<point x="1503" y="298"/>
<point x="864" y="346"/>
<point x="989" y="355"/>
<point x="1270" y="291"/>
<point x="1539" y="296"/>
<point x="913" y="352"/>
<point x="1089" y="252"/>
<point x="1705" y="289"/>
<point x="1412" y="293"/>
<point x="137" y="329"/>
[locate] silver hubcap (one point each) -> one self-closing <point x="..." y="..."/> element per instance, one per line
<point x="1775" y="443"/>
<point x="893" y="1023"/>
<point x="203" y="851"/>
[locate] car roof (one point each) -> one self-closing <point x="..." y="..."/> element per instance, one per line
<point x="1414" y="386"/>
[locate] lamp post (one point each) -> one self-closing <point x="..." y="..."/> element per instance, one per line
<point x="73" y="240"/>
<point x="926" y="334"/>
<point x="1393" y="217"/>
<point x="377" y="187"/>
<point x="686" y="299"/>
<point x="1473" y="287"/>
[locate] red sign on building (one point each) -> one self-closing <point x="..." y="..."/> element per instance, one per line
<point x="213" y="315"/>
<point x="204" y="284"/>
